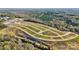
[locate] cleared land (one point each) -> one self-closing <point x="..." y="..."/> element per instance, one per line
<point x="37" y="31"/>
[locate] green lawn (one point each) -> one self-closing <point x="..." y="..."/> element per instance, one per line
<point x="42" y="36"/>
<point x="32" y="28"/>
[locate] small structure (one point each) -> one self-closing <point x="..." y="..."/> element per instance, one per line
<point x="13" y="21"/>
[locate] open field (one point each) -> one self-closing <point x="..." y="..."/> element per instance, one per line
<point x="42" y="32"/>
<point x="42" y="35"/>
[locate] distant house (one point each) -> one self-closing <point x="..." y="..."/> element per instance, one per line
<point x="4" y="18"/>
<point x="13" y="21"/>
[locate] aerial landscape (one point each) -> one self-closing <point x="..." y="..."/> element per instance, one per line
<point x="39" y="29"/>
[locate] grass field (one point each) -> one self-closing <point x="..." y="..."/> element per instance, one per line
<point x="40" y="31"/>
<point x="41" y="35"/>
